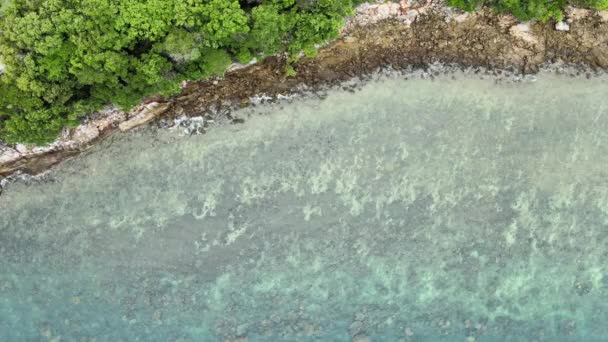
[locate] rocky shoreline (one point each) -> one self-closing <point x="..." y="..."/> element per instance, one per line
<point x="401" y="35"/>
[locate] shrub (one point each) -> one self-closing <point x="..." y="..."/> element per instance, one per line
<point x="290" y="71"/>
<point x="541" y="10"/>
<point x="36" y="127"/>
<point x="465" y="5"/>
<point x="214" y="62"/>
<point x="271" y="27"/>
<point x="596" y="4"/>
<point x="180" y="45"/>
<point x="244" y="56"/>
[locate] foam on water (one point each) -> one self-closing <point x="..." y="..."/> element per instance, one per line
<point x="453" y="210"/>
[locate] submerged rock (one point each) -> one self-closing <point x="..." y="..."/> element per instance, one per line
<point x="361" y="338"/>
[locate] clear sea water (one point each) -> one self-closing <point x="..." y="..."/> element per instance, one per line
<point x="408" y="210"/>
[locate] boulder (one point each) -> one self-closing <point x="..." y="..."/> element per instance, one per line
<point x="147" y="114"/>
<point x="562" y="26"/>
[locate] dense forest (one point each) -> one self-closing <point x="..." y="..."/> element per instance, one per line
<point x="66" y="58"/>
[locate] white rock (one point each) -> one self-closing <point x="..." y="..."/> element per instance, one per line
<point x="237" y="66"/>
<point x="85" y="133"/>
<point x="147" y="114"/>
<point x="523" y="31"/>
<point x="9" y="155"/>
<point x="562" y="26"/>
<point x="259" y="99"/>
<point x="521" y="27"/>
<point x="603" y="14"/>
<point x="462" y="17"/>
<point x="410" y="16"/>
<point x="372" y="13"/>
<point x="45" y="148"/>
<point x="384" y="11"/>
<point x="21" y="148"/>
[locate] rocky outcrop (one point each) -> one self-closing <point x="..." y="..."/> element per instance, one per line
<point x="400" y="34"/>
<point x="149" y="113"/>
<point x="33" y="160"/>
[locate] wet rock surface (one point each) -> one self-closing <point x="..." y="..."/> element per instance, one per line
<point x="398" y="35"/>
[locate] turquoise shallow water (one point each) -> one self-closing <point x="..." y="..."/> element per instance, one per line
<point x="409" y="210"/>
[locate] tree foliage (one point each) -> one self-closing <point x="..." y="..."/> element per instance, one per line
<point x="65" y="58"/>
<point x="596" y="4"/>
<point x="541" y="10"/>
<point x="465" y="5"/>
